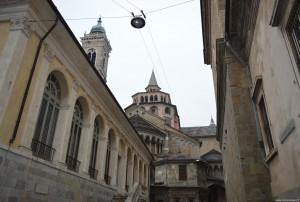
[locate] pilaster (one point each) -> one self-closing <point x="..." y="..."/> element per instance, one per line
<point x="86" y="143"/>
<point x="63" y="126"/>
<point x="11" y="58"/>
<point x="102" y="149"/>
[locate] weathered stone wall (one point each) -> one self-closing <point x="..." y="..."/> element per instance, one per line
<point x="234" y="183"/>
<point x="272" y="59"/>
<point x="208" y="144"/>
<point x="29" y="180"/>
<point x="168" y="175"/>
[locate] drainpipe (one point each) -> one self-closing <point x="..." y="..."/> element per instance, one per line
<point x="25" y="95"/>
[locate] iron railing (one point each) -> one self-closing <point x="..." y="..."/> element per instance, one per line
<point x="42" y="150"/>
<point x="72" y="163"/>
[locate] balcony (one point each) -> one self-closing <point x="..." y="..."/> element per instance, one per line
<point x="72" y="163"/>
<point x="41" y="150"/>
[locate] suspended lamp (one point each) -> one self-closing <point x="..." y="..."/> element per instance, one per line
<point x="138" y="21"/>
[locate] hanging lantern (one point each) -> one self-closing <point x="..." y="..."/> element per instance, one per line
<point x="138" y="22"/>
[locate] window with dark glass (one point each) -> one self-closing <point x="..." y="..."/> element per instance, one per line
<point x="74" y="141"/>
<point x="45" y="128"/>
<point x="167" y="110"/>
<point x="92" y="168"/>
<point x="107" y="160"/>
<point x="265" y="124"/>
<point x="182" y="172"/>
<point x="92" y="55"/>
<point x="293" y="30"/>
<point x="262" y="112"/>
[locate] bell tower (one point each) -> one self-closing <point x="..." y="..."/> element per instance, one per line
<point x="97" y="47"/>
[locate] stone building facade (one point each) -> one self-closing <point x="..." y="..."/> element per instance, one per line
<point x="63" y="135"/>
<point x="253" y="50"/>
<point x="187" y="163"/>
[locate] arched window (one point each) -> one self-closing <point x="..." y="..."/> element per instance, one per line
<point x="146" y="98"/>
<point x="142" y="99"/>
<point x="151" y="98"/>
<point x="154" y="109"/>
<point x="142" y="109"/>
<point x="155" y="97"/>
<point x="45" y="128"/>
<point x="92" y="55"/>
<point x="161" y="98"/>
<point x="96" y="133"/>
<point x="167" y="110"/>
<point x="73" y="147"/>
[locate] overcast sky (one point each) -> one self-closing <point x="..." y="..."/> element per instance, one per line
<point x="176" y="32"/>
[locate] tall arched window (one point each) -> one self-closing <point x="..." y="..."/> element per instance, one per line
<point x="73" y="147"/>
<point x="146" y="98"/>
<point x="154" y="110"/>
<point x="92" y="55"/>
<point x="107" y="161"/>
<point x="142" y="99"/>
<point x="92" y="168"/>
<point x="167" y="110"/>
<point x="45" y="128"/>
<point x="151" y="98"/>
<point x="155" y="97"/>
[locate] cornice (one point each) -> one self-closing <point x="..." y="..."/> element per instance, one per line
<point x="206" y="29"/>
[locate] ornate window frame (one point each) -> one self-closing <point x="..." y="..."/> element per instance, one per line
<point x="258" y="96"/>
<point x="43" y="137"/>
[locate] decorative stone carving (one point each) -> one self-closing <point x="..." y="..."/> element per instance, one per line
<point x="48" y="53"/>
<point x="20" y="23"/>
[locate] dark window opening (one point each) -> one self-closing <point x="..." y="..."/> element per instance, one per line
<point x="265" y="124"/>
<point x="182" y="172"/>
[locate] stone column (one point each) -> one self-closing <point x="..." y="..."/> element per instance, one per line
<point x="101" y="156"/>
<point x="147" y="176"/>
<point x="11" y="58"/>
<point x="166" y="145"/>
<point x="143" y="175"/>
<point x="130" y="172"/>
<point x="114" y="162"/>
<point x="135" y="170"/>
<point x="85" y="145"/>
<point x="63" y="127"/>
<point x="35" y="102"/>
<point x="138" y="171"/>
<point x="123" y="171"/>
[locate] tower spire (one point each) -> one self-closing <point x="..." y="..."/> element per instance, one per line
<point x="152" y="81"/>
<point x="152" y="85"/>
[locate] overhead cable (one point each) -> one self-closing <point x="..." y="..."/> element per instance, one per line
<point x="116" y="17"/>
<point x="159" y="58"/>
<point x="147" y="49"/>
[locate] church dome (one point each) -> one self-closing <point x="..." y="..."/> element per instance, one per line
<point x="98" y="28"/>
